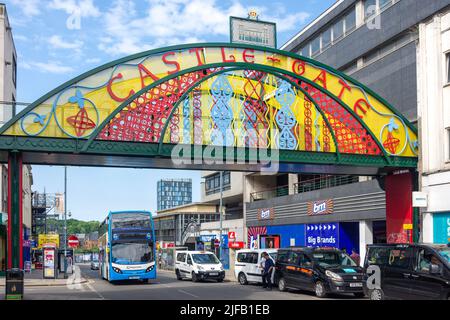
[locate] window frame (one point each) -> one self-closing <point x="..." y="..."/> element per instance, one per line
<point x="447" y="68"/>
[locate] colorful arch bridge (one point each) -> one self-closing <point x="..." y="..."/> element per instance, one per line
<point x="136" y="110"/>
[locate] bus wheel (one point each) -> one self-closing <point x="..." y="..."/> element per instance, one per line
<point x="144" y="280"/>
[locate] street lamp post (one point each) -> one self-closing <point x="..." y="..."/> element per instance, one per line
<point x="65" y="222"/>
<point x="220" y="215"/>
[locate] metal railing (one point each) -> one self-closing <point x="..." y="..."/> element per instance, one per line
<point x="270" y="193"/>
<point x="324" y="182"/>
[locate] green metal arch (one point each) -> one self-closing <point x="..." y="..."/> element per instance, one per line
<point x="203" y="45"/>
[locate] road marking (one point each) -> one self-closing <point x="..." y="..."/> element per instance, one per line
<point x="188" y="293"/>
<point x="95" y="291"/>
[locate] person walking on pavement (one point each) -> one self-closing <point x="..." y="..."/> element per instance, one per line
<point x="355" y="257"/>
<point x="268" y="269"/>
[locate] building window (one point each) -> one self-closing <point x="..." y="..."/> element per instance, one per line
<point x="373" y="7"/>
<point x="338" y="30"/>
<point x="448" y="67"/>
<point x="326" y="39"/>
<point x="370" y="8"/>
<point x="350" y="21"/>
<point x="315" y="46"/>
<point x="212" y="183"/>
<point x="14" y="70"/>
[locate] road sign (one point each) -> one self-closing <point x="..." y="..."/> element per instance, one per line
<point x="216" y="243"/>
<point x="232" y="236"/>
<point x="73" y="241"/>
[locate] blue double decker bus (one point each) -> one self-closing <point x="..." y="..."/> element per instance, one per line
<point x="127" y="246"/>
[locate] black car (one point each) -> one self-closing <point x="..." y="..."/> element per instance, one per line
<point x="321" y="270"/>
<point x="408" y="271"/>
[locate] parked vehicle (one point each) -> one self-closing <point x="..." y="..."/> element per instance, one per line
<point x="321" y="270"/>
<point x="95" y="265"/>
<point x="410" y="271"/>
<point x="247" y="266"/>
<point x="198" y="265"/>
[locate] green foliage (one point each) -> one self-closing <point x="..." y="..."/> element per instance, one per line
<point x="73" y="226"/>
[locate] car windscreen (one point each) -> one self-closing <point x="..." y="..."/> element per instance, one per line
<point x="205" y="258"/>
<point x="330" y="258"/>
<point x="445" y="254"/>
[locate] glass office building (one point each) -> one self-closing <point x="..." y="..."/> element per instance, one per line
<point x="173" y="193"/>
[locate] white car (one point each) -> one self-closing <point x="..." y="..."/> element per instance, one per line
<point x="198" y="265"/>
<point x="247" y="266"/>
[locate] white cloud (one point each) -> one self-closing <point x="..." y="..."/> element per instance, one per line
<point x="93" y="60"/>
<point x="86" y="8"/>
<point x="58" y="43"/>
<point x="166" y="22"/>
<point x="29" y="8"/>
<point x="54" y="67"/>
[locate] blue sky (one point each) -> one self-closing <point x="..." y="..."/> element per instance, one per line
<point x="57" y="40"/>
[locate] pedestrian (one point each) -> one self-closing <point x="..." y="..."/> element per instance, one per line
<point x="268" y="269"/>
<point x="355" y="257"/>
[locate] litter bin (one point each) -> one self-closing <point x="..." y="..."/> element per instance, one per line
<point x="14" y="284"/>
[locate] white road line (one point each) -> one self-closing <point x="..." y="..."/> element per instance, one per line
<point x="88" y="284"/>
<point x="188" y="293"/>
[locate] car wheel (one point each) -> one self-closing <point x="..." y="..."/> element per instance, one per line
<point x="220" y="280"/>
<point x="376" y="294"/>
<point x="242" y="279"/>
<point x="319" y="290"/>
<point x="282" y="284"/>
<point x="359" y="294"/>
<point x="194" y="277"/>
<point x="177" y="272"/>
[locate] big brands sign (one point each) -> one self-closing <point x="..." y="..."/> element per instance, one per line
<point x="320" y="207"/>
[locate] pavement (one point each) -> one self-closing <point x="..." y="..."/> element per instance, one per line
<point x="35" y="279"/>
<point x="165" y="287"/>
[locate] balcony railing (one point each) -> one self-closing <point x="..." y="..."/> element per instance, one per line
<point x="269" y="194"/>
<point x="324" y="182"/>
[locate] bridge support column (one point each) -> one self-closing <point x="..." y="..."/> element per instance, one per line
<point x="14" y="283"/>
<point x="399" y="210"/>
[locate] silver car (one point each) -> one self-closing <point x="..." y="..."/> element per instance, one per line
<point x="94" y="265"/>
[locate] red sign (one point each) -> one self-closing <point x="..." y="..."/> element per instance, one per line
<point x="232" y="236"/>
<point x="73" y="241"/>
<point x="216" y="243"/>
<point x="236" y="245"/>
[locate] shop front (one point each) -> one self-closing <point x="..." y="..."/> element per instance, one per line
<point x="348" y="217"/>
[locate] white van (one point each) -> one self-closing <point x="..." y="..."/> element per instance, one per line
<point x="198" y="265"/>
<point x="247" y="266"/>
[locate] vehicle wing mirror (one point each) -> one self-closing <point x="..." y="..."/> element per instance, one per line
<point x="434" y="269"/>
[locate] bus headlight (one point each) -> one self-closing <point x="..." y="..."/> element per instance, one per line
<point x="150" y="268"/>
<point x="117" y="270"/>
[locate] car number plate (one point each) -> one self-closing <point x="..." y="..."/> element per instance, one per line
<point x="133" y="277"/>
<point x="213" y="273"/>
<point x="357" y="285"/>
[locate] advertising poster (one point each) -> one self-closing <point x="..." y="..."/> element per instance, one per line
<point x="49" y="263"/>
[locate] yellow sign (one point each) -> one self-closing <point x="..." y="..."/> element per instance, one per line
<point x="408" y="226"/>
<point x="48" y="238"/>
